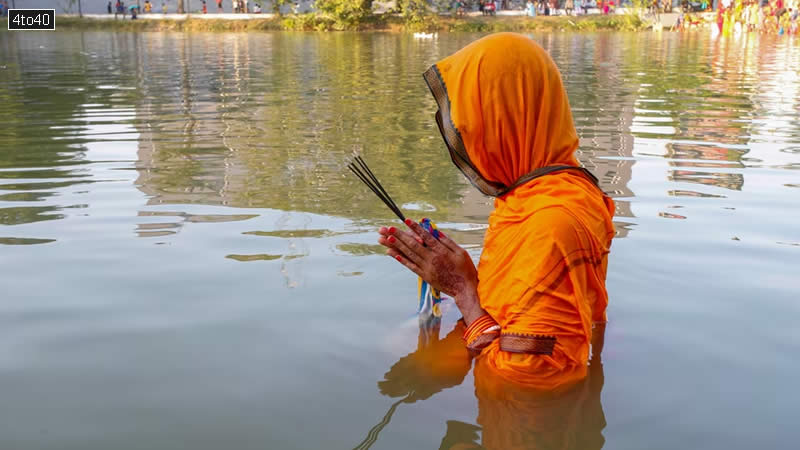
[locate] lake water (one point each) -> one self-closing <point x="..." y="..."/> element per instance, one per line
<point x="186" y="264"/>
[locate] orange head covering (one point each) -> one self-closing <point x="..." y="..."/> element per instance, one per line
<point x="503" y="110"/>
<point x="504" y="114"/>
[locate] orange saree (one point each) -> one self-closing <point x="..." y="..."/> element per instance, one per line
<point x="504" y="113"/>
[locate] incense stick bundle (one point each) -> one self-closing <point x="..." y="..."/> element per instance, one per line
<point x="361" y="170"/>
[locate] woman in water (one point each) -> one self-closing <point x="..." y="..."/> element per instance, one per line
<point x="530" y="305"/>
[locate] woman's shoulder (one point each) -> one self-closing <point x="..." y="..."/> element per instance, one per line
<point x="558" y="232"/>
<point x="554" y="223"/>
<point x="549" y="230"/>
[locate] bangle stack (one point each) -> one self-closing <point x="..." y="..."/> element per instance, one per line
<point x="481" y="332"/>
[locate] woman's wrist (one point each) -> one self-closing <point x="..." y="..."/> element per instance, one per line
<point x="469" y="305"/>
<point x="481" y="329"/>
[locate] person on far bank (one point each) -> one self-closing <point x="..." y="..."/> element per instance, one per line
<point x="108" y="7"/>
<point x="205" y="8"/>
<point x="530" y="307"/>
<point x="219" y="6"/>
<point x="460" y="8"/>
<point x="530" y="9"/>
<point x="163" y="8"/>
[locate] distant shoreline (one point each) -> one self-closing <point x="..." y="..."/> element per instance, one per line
<point x="313" y="22"/>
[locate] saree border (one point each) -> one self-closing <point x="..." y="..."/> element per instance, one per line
<point x="452" y="137"/>
<point x="527" y="343"/>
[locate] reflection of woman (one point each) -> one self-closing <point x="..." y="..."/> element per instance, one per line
<point x="540" y="284"/>
<point x="510" y="416"/>
<point x="514" y="418"/>
<point x="437" y="364"/>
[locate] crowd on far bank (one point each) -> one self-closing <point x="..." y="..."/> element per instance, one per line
<point x="460" y="7"/>
<point x="119" y="8"/>
<point x="535" y="8"/>
<point x="750" y="16"/>
<point x="780" y="17"/>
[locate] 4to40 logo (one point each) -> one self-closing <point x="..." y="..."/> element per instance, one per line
<point x="31" y="19"/>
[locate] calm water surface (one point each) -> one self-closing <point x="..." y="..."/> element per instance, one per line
<point x="184" y="264"/>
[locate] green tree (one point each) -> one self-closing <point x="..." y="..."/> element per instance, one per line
<point x="417" y="15"/>
<point x="276" y="6"/>
<point x="345" y="12"/>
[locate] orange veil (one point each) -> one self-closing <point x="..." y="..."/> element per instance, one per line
<point x="504" y="114"/>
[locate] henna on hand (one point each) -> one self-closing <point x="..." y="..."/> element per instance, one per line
<point x="445" y="277"/>
<point x="442" y="263"/>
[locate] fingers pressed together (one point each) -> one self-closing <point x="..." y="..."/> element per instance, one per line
<point x="416" y="248"/>
<point x="442" y="263"/>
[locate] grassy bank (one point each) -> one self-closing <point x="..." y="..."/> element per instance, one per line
<point x="316" y="22"/>
<point x="550" y="23"/>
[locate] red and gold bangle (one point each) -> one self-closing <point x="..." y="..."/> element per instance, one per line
<point x="481" y="325"/>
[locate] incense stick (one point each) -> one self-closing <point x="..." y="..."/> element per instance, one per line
<point x="374" y="189"/>
<point x="377" y="183"/>
<point x="363" y="172"/>
<point x="364" y="165"/>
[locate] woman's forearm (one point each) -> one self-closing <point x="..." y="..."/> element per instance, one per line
<point x="469" y="305"/>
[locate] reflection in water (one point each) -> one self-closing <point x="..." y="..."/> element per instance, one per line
<point x="681" y="193"/>
<point x="155" y="229"/>
<point x="509" y="416"/>
<point x="349" y="274"/>
<point x="221" y="139"/>
<point x="26" y="196"/>
<point x="225" y="153"/>
<point x="267" y="127"/>
<point x="258" y="257"/>
<point x="512" y="418"/>
<point x="294" y="233"/>
<point x="17" y="216"/>
<point x="356" y="249"/>
<point x="434" y="366"/>
<point x="671" y="215"/>
<point x="231" y="137"/>
<point x="24" y="241"/>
